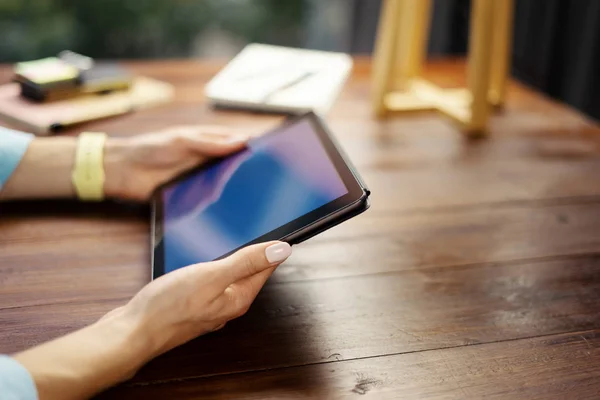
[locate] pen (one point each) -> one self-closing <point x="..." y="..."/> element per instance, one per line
<point x="288" y="85"/>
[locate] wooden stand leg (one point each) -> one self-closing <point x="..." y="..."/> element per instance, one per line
<point x="385" y="53"/>
<point x="501" y="50"/>
<point x="412" y="46"/>
<point x="479" y="64"/>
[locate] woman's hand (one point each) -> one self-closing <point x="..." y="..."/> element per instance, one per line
<point x="202" y="298"/>
<point x="137" y="165"/>
<point x="134" y="167"/>
<point x="169" y="311"/>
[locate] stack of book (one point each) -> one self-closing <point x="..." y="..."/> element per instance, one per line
<point x="49" y="94"/>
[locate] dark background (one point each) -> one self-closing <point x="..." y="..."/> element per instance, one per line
<point x="556" y="42"/>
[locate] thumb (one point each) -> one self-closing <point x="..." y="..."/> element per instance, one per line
<point x="252" y="260"/>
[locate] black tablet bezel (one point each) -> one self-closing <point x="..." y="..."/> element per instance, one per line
<point x="357" y="193"/>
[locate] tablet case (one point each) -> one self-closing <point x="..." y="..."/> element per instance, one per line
<point x="362" y="207"/>
<point x="343" y="154"/>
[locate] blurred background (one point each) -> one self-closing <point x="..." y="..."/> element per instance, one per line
<point x="556" y="42"/>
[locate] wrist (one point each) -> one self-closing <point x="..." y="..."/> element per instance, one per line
<point x="130" y="340"/>
<point x="115" y="166"/>
<point x="87" y="361"/>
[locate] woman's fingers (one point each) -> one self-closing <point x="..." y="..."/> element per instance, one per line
<point x="211" y="141"/>
<point x="239" y="296"/>
<point x="250" y="268"/>
<point x="236" y="280"/>
<point x="250" y="261"/>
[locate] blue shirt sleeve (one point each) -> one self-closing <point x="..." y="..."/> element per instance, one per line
<point x="15" y="381"/>
<point x="13" y="145"/>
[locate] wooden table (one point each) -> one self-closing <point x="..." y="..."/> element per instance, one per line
<point x="476" y="273"/>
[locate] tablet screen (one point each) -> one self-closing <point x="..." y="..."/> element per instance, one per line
<point x="280" y="177"/>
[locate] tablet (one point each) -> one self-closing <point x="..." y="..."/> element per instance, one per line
<point x="288" y="184"/>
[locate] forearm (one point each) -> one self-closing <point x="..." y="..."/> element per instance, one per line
<point x="46" y="168"/>
<point x="85" y="362"/>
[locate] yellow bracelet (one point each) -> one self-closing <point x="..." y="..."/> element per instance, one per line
<point x="88" y="171"/>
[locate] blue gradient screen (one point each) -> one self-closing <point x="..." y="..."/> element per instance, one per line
<point x="278" y="178"/>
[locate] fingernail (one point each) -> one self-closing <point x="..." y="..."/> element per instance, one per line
<point x="279" y="252"/>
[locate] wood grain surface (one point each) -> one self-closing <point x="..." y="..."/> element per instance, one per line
<point x="556" y="366"/>
<point x="476" y="273"/>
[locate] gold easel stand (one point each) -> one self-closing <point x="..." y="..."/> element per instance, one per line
<point x="401" y="50"/>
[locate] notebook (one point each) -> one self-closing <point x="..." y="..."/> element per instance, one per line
<point x="46" y="118"/>
<point x="280" y="79"/>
